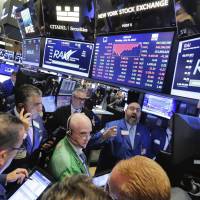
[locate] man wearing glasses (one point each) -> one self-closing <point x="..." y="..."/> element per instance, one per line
<point x="68" y="158"/>
<point x="11" y="137"/>
<point x="62" y="114"/>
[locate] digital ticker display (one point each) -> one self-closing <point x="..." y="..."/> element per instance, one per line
<point x="66" y="56"/>
<point x="31" y="52"/>
<point x="186" y="82"/>
<point x="159" y="105"/>
<point x="135" y="60"/>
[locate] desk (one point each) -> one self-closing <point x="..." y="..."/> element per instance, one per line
<point x="98" y="111"/>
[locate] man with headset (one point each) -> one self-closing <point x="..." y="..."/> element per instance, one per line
<point x="68" y="158"/>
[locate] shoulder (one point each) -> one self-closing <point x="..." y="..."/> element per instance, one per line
<point x="116" y="122"/>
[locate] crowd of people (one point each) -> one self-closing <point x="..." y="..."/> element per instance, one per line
<point x="128" y="149"/>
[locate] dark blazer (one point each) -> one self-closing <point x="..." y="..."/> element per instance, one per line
<point x="119" y="147"/>
<point x="60" y="117"/>
<point x="39" y="135"/>
<point x="8" y="87"/>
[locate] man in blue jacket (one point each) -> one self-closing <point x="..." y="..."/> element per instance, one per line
<point x="29" y="99"/>
<point x="8" y="85"/>
<point x="131" y="138"/>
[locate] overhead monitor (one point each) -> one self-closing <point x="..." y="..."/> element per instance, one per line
<point x="186" y="81"/>
<point x="159" y="105"/>
<point x="7" y="68"/>
<point x="135" y="60"/>
<point x="63" y="101"/>
<point x="68" y="19"/>
<point x="28" y="17"/>
<point x="126" y="15"/>
<point x="67" y="87"/>
<point x="67" y="56"/>
<point x="31" y="52"/>
<point x="186" y="138"/>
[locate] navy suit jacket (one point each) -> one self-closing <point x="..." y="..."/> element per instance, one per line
<point x="39" y="135"/>
<point x="8" y="87"/>
<point x="119" y="147"/>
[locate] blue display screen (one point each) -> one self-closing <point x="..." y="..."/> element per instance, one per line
<point x="68" y="56"/>
<point x="31" y="52"/>
<point x="7" y="69"/>
<point x="186" y="81"/>
<point x="159" y="105"/>
<point x="135" y="60"/>
<point x="6" y="54"/>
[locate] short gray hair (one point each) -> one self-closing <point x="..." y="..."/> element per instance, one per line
<point x="9" y="130"/>
<point x="25" y="91"/>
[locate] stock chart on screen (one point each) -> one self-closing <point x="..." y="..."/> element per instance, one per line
<point x="135" y="60"/>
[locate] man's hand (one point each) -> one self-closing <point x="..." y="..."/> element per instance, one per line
<point x="18" y="175"/>
<point x="110" y="132"/>
<point x="25" y="119"/>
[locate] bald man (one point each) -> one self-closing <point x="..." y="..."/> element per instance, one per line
<point x="132" y="138"/>
<point x="68" y="158"/>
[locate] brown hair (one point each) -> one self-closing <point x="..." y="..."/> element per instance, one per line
<point x="77" y="187"/>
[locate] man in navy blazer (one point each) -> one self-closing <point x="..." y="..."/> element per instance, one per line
<point x="8" y="85"/>
<point x="28" y="100"/>
<point x="131" y="138"/>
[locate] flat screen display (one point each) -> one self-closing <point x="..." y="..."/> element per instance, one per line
<point x="69" y="19"/>
<point x="135" y="60"/>
<point x="28" y="20"/>
<point x="159" y="105"/>
<point x="49" y="103"/>
<point x="7" y="68"/>
<point x="186" y="81"/>
<point x="63" y="101"/>
<point x="66" y="56"/>
<point x="67" y="87"/>
<point x="31" y="52"/>
<point x="126" y="15"/>
<point x="6" y="54"/>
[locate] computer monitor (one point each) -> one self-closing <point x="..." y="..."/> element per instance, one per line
<point x="137" y="60"/>
<point x="3" y="78"/>
<point x="159" y="105"/>
<point x="63" y="101"/>
<point x="186" y="81"/>
<point x="67" y="56"/>
<point x="67" y="87"/>
<point x="31" y="52"/>
<point x="186" y="138"/>
<point x="29" y="19"/>
<point x="49" y="103"/>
